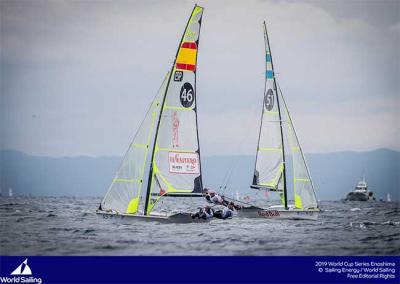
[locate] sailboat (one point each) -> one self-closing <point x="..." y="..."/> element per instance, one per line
<point x="161" y="168"/>
<point x="278" y="138"/>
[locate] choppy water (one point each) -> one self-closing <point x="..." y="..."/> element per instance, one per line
<point x="68" y="226"/>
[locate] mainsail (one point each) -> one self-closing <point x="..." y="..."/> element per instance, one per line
<point x="270" y="158"/>
<point x="276" y="127"/>
<point x="166" y="146"/>
<point x="175" y="164"/>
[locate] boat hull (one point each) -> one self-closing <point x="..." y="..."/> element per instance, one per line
<point x="181" y="218"/>
<point x="359" y="196"/>
<point x="278" y="213"/>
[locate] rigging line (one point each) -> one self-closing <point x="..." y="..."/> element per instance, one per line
<point x="233" y="168"/>
<point x="240" y="201"/>
<point x="235" y="163"/>
<point x="228" y="174"/>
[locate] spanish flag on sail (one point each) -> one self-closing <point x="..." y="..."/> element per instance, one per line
<point x="186" y="59"/>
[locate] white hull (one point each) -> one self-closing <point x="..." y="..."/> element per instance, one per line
<point x="162" y="218"/>
<point x="278" y="213"/>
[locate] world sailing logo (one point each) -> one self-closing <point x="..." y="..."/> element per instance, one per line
<point x="23" y="269"/>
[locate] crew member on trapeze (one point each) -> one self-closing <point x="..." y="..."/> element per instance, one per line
<point x="215" y="198"/>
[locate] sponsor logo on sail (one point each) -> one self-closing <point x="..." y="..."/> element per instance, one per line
<point x="21" y="274"/>
<point x="183" y="163"/>
<point x="178" y="76"/>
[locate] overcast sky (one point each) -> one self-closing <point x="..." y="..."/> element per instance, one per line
<point x="77" y="76"/>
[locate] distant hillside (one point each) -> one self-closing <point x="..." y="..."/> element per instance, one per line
<point x="334" y="174"/>
<point x="79" y="176"/>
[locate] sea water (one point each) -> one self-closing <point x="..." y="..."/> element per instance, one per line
<point x="69" y="226"/>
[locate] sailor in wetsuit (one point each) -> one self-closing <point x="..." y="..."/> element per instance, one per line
<point x="215" y="198"/>
<point x="225" y="213"/>
<point x="204" y="213"/>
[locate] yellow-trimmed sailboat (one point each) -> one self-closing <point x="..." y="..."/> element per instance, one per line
<point x="161" y="172"/>
<point x="278" y="139"/>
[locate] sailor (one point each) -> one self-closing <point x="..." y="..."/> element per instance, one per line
<point x="236" y="206"/>
<point x="217" y="199"/>
<point x="206" y="194"/>
<point x="204" y="213"/>
<point x="213" y="197"/>
<point x="225" y="213"/>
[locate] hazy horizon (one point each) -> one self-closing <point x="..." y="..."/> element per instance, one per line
<point x="333" y="174"/>
<point x="214" y="155"/>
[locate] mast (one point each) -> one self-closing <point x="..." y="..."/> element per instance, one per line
<point x="195" y="109"/>
<point x="149" y="181"/>
<point x="280" y="118"/>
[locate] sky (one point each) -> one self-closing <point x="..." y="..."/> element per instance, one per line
<point x="78" y="76"/>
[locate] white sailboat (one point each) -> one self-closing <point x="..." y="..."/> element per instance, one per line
<point x="277" y="139"/>
<point x="161" y="169"/>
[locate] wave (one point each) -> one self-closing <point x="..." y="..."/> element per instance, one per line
<point x="370" y="223"/>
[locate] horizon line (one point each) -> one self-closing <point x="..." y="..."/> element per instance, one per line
<point x="216" y="155"/>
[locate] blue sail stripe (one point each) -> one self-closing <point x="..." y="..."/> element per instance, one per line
<point x="268" y="58"/>
<point x="270" y="74"/>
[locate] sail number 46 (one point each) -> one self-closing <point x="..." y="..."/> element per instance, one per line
<point x="187" y="95"/>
